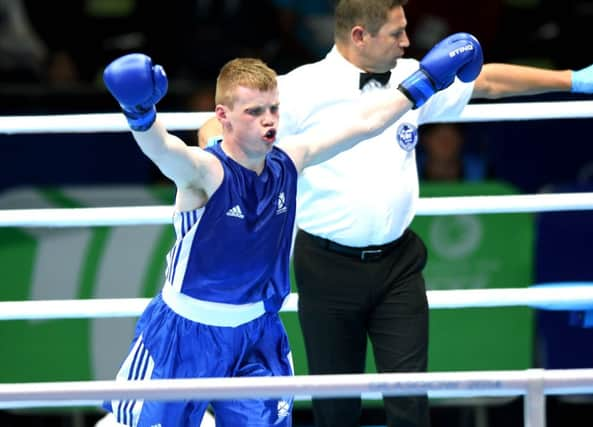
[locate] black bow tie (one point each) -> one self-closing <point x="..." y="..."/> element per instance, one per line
<point x="381" y="78"/>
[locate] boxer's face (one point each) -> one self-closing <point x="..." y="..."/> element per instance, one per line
<point x="252" y="121"/>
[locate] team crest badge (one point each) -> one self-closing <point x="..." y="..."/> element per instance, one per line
<point x="407" y="136"/>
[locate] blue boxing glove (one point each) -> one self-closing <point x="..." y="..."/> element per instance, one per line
<point x="582" y="80"/>
<point x="137" y="85"/>
<point x="457" y="55"/>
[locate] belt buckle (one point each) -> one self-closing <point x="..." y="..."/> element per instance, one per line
<point x="368" y="254"/>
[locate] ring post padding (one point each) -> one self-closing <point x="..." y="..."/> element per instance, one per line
<point x="534" y="403"/>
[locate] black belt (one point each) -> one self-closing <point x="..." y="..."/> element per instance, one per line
<point x="366" y="253"/>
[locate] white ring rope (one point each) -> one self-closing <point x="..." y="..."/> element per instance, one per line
<point x="115" y="122"/>
<point x="532" y="383"/>
<point x="563" y="296"/>
<point x="437" y="384"/>
<point x="83" y="217"/>
<point x="136" y="215"/>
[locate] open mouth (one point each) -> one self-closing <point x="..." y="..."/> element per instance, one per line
<point x="270" y="135"/>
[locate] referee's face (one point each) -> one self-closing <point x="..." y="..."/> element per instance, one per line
<point x="383" y="49"/>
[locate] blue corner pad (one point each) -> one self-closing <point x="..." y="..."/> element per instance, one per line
<point x="580" y="314"/>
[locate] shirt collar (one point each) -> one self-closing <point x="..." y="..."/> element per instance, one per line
<point x="344" y="69"/>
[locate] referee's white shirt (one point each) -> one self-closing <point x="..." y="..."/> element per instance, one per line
<point x="366" y="195"/>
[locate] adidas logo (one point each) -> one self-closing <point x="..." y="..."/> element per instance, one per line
<point x="235" y="211"/>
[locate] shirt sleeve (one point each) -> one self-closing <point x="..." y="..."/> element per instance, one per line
<point x="289" y="107"/>
<point x="447" y="104"/>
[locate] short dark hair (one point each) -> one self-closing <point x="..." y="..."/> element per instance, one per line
<point x="371" y="14"/>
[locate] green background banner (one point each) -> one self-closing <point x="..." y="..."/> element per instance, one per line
<point x="478" y="252"/>
<point x="465" y="252"/>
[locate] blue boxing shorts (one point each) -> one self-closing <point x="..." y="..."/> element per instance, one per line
<point x="167" y="345"/>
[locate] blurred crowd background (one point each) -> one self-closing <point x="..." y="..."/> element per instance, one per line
<point x="67" y="44"/>
<point x="52" y="56"/>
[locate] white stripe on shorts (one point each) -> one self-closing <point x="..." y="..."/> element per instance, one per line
<point x="138" y="366"/>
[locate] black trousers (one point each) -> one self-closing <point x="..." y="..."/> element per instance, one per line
<point x="342" y="300"/>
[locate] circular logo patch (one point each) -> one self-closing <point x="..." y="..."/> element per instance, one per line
<point x="407" y="136"/>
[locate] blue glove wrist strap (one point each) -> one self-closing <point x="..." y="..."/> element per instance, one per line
<point x="418" y="88"/>
<point x="140" y="121"/>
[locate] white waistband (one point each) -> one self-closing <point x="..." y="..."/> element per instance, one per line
<point x="211" y="313"/>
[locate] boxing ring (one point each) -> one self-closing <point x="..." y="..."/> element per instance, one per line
<point x="532" y="384"/>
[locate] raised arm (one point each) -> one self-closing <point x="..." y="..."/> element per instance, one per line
<point x="138" y="85"/>
<point x="500" y="80"/>
<point x="458" y="55"/>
